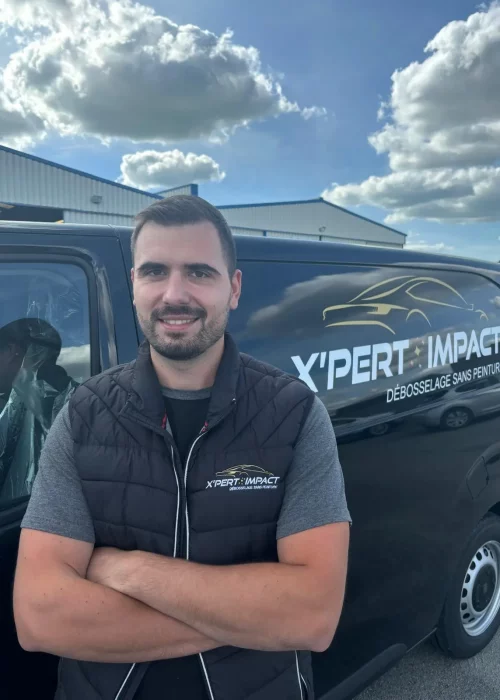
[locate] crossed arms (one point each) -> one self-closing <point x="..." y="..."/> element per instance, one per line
<point x="113" y="606"/>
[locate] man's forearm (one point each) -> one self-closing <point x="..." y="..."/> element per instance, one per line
<point x="89" y="622"/>
<point x="265" y="606"/>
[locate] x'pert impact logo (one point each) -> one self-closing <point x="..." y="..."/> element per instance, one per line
<point x="244" y="477"/>
<point x="393" y="305"/>
<point x="391" y="301"/>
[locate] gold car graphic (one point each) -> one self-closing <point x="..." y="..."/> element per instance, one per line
<point x="384" y="302"/>
<point x="244" y="470"/>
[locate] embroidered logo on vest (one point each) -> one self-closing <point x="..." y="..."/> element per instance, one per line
<point x="244" y="477"/>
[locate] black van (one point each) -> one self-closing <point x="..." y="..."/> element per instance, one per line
<point x="402" y="347"/>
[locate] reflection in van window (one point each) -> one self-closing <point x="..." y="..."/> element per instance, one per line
<point x="44" y="356"/>
<point x="372" y="340"/>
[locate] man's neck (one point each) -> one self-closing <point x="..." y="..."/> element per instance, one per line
<point x="189" y="375"/>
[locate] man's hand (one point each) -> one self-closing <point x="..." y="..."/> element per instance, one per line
<point x="111" y="567"/>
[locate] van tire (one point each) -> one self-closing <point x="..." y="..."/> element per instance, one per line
<point x="471" y="614"/>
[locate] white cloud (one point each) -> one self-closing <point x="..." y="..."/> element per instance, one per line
<point x="414" y="241"/>
<point x="17" y="129"/>
<point x="467" y="194"/>
<point x="146" y="169"/>
<point x="27" y="15"/>
<point x="117" y="69"/>
<point x="310" y="112"/>
<point x="443" y="134"/>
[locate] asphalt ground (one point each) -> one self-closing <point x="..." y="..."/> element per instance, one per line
<point x="426" y="674"/>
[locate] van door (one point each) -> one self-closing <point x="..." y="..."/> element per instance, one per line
<point x="380" y="345"/>
<point x="62" y="319"/>
<point x="45" y="353"/>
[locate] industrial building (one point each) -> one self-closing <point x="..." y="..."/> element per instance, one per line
<point x="35" y="189"/>
<point x="310" y="218"/>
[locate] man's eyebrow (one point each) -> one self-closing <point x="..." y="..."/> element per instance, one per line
<point x="203" y="267"/>
<point x="151" y="265"/>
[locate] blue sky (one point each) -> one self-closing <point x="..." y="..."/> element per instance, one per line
<point x="338" y="56"/>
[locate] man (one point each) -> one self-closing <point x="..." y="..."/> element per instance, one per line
<point x="147" y="545"/>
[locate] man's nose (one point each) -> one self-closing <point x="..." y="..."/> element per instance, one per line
<point x="176" y="289"/>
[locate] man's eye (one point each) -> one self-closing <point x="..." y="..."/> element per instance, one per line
<point x="154" y="273"/>
<point x="200" y="274"/>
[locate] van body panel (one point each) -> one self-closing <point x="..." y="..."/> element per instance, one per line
<point x="390" y="340"/>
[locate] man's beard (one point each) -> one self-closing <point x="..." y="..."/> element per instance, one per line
<point x="176" y="346"/>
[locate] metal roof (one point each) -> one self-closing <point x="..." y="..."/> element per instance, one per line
<point x="78" y="172"/>
<point x="317" y="200"/>
<point x="191" y="186"/>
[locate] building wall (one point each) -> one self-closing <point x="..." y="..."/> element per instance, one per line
<point x="24" y="180"/>
<point x="240" y="231"/>
<point x="314" y="218"/>
<point x="183" y="189"/>
<point x="78" y="217"/>
<point x="296" y="236"/>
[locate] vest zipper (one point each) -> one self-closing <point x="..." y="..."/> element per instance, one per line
<point x="304" y="683"/>
<point x="299" y="677"/>
<point x="178" y="503"/>
<point x="178" y="520"/>
<point x="123" y="685"/>
<point x="186" y="512"/>
<point x="183" y="522"/>
<point x="206" y="428"/>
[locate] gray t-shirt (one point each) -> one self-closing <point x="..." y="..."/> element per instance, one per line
<point x="314" y="491"/>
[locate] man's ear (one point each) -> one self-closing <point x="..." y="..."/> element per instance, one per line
<point x="132" y="279"/>
<point x="235" y="290"/>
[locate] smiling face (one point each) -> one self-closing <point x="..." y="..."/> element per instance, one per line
<point x="182" y="289"/>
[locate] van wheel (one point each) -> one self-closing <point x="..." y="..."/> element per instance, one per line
<point x="455" y="418"/>
<point x="471" y="613"/>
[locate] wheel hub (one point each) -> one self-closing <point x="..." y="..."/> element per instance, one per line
<point x="484" y="588"/>
<point x="480" y="599"/>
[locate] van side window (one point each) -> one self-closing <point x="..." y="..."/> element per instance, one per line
<point x="372" y="341"/>
<point x="44" y="356"/>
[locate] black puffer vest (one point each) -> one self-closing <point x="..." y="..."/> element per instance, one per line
<point x="220" y="508"/>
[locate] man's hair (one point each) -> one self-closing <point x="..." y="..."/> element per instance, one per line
<point x="184" y="209"/>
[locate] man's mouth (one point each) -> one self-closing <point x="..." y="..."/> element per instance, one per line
<point x="178" y="323"/>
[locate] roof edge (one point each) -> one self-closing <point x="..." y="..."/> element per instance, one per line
<point x="192" y="186"/>
<point x="317" y="200"/>
<point x="268" y="204"/>
<point x="44" y="161"/>
<point x="360" y="216"/>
